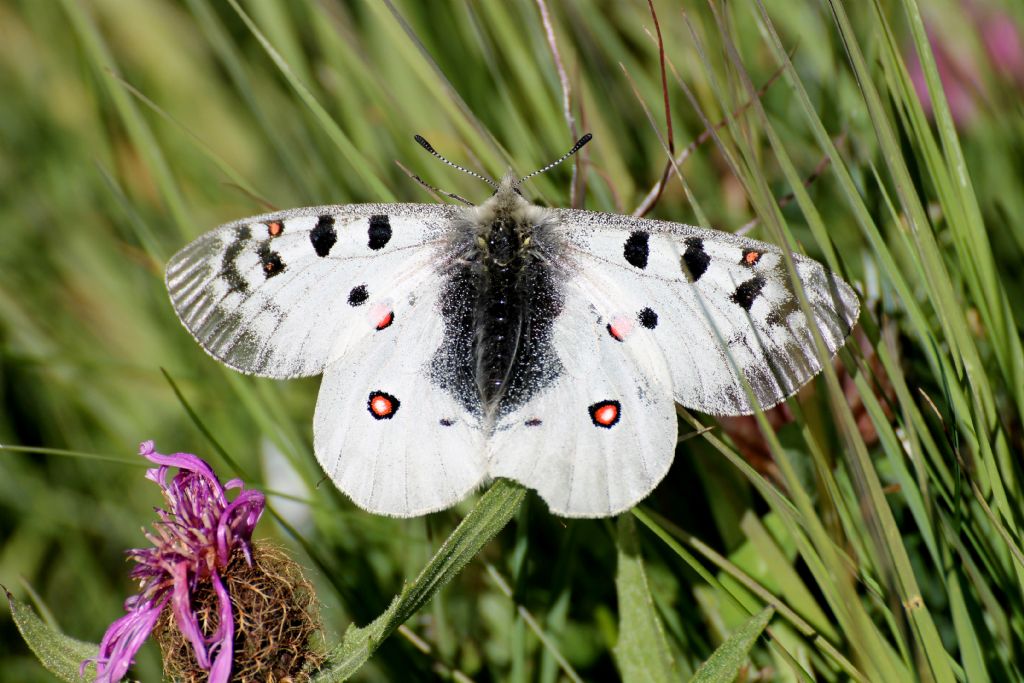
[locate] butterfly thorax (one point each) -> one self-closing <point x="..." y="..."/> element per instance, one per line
<point x="499" y="306"/>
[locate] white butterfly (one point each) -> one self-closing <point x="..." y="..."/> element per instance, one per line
<point x="504" y="340"/>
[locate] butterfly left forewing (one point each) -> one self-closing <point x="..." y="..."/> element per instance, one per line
<point x="269" y="295"/>
<point x="723" y="306"/>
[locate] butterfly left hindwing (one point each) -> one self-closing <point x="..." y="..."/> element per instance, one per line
<point x="383" y="431"/>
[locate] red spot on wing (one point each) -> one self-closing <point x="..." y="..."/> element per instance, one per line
<point x="275" y="228"/>
<point x="619" y="328"/>
<point x="382" y="405"/>
<point x="381" y="315"/>
<point x="605" y="413"/>
<point x="751" y="256"/>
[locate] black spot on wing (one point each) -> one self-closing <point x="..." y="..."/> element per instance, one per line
<point x="358" y="295"/>
<point x="228" y="267"/>
<point x="271" y="260"/>
<point x="323" y="237"/>
<point x="648" y="318"/>
<point x="534" y="422"/>
<point x="695" y="259"/>
<point x="636" y="250"/>
<point x="747" y="291"/>
<point x="379" y="232"/>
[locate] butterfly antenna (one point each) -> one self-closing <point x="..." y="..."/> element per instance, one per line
<point x="430" y="148"/>
<point x="575" y="148"/>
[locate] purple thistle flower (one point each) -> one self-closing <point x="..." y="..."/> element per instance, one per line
<point x="193" y="541"/>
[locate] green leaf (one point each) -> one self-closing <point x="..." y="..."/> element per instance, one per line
<point x="641" y="652"/>
<point x="491" y="514"/>
<point x="60" y="654"/>
<point x="725" y="662"/>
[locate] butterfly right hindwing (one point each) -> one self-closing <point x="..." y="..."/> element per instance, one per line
<point x="594" y="447"/>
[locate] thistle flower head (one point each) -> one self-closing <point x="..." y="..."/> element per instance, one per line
<point x="194" y="540"/>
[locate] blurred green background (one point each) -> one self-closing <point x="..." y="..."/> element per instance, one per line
<point x="884" y="522"/>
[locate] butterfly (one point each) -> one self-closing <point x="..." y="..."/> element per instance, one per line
<point x="545" y="345"/>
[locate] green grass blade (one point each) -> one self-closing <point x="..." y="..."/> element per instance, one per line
<point x="641" y="652"/>
<point x="725" y="663"/>
<point x="491" y="514"/>
<point x="62" y="656"/>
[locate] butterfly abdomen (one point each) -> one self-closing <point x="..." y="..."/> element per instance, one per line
<point x="499" y="312"/>
<point x="498" y="305"/>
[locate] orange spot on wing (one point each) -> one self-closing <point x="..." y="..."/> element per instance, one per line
<point x="380" y="405"/>
<point x="381" y="315"/>
<point x="605" y="413"/>
<point x="751" y="257"/>
<point x="275" y="228"/>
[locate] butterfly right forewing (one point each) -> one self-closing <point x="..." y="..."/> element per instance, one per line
<point x="721" y="306"/>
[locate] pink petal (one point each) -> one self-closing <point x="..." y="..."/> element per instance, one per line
<point x="123" y="639"/>
<point x="224" y="637"/>
<point x="181" y="602"/>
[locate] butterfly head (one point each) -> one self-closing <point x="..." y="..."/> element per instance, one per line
<point x="506" y="193"/>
